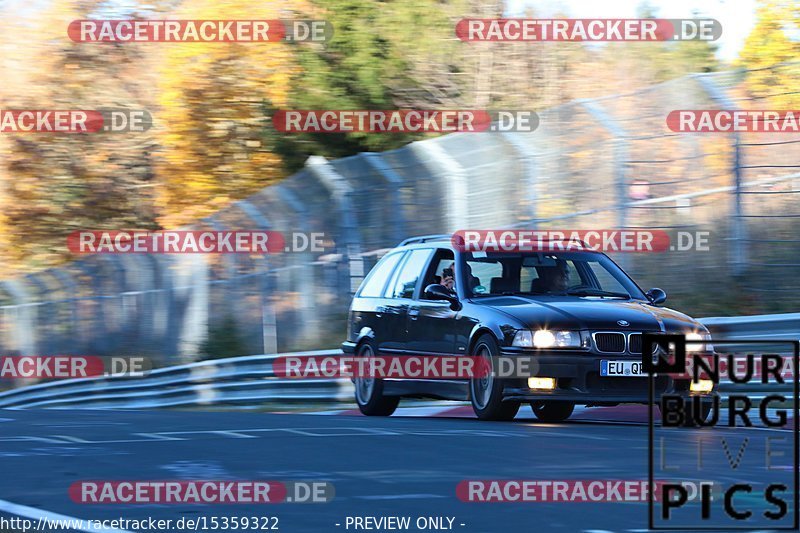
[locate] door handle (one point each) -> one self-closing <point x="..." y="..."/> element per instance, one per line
<point x="413" y="313"/>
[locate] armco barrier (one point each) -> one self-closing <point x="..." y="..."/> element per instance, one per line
<point x="250" y="381"/>
<point x="757" y="327"/>
<point x="234" y="381"/>
<point x="779" y="327"/>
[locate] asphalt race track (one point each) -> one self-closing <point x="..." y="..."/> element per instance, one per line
<point x="400" y="466"/>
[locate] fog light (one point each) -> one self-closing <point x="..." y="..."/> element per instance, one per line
<point x="542" y="383"/>
<point x="703" y="385"/>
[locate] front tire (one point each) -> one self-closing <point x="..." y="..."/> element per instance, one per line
<point x="486" y="393"/>
<point x="369" y="390"/>
<point x="552" y="411"/>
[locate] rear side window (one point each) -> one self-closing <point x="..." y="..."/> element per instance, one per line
<point x="405" y="283"/>
<point x="485" y="272"/>
<point x="376" y="281"/>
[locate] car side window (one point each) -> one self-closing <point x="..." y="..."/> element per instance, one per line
<point x="442" y="261"/>
<point x="404" y="283"/>
<point x="376" y="281"/>
<point x="482" y="274"/>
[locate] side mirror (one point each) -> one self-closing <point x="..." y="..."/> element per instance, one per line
<point x="656" y="296"/>
<point x="435" y="291"/>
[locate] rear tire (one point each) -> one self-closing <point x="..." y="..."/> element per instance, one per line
<point x="552" y="411"/>
<point x="369" y="391"/>
<point x="486" y="393"/>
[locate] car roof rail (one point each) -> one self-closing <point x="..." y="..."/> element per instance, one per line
<point x="425" y="238"/>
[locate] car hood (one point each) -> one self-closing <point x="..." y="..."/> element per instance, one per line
<point x="571" y="312"/>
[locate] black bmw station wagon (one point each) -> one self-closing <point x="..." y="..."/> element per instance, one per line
<point x="578" y="313"/>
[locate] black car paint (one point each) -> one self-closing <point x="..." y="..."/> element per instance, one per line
<point x="434" y="327"/>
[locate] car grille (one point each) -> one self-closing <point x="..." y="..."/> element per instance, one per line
<point x="610" y="342"/>
<point x="635" y="343"/>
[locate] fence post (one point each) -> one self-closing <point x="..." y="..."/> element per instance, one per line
<point x="456" y="188"/>
<point x="269" y="326"/>
<point x="738" y="258"/>
<point x="24" y="324"/>
<point x="157" y="304"/>
<point x="194" y="328"/>
<point x="394" y="181"/>
<point x="341" y="192"/>
<point x="309" y="323"/>
<point x="131" y="302"/>
<point x="70" y="290"/>
<point x="620" y="158"/>
<point x="45" y="317"/>
<point x="120" y="279"/>
<point x="529" y="165"/>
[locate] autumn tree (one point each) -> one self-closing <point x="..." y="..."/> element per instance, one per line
<point x="213" y="102"/>
<point x="768" y="54"/>
<point x="383" y="55"/>
<point x="56" y="183"/>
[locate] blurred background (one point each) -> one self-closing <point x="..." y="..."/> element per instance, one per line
<point x="602" y="157"/>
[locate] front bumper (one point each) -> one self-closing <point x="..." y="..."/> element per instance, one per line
<point x="578" y="380"/>
<point x="349" y="347"/>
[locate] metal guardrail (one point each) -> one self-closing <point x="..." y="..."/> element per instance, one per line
<point x="248" y="380"/>
<point x="778" y="327"/>
<point x="251" y="381"/>
<point x="756" y="327"/>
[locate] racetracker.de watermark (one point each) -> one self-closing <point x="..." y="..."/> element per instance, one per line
<point x="74" y="121"/>
<point x="553" y="491"/>
<point x="404" y="121"/>
<point x="199" y="31"/>
<point x="416" y="366"/>
<point x="193" y="242"/>
<point x="207" y="492"/>
<point x="72" y="366"/>
<point x="605" y="240"/>
<point x="531" y="30"/>
<point x="727" y="121"/>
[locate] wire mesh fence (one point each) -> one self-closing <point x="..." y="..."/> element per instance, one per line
<point x="591" y="164"/>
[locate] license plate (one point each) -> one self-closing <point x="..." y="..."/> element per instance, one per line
<point x="621" y="368"/>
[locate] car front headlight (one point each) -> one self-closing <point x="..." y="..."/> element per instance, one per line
<point x="698" y="336"/>
<point x="523" y="339"/>
<point x="545" y="338"/>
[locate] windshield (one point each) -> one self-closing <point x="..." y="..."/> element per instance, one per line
<point x="546" y="274"/>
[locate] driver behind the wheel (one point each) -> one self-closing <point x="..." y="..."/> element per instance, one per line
<point x="552" y="279"/>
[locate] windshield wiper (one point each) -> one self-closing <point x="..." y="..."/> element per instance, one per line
<point x="598" y="292"/>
